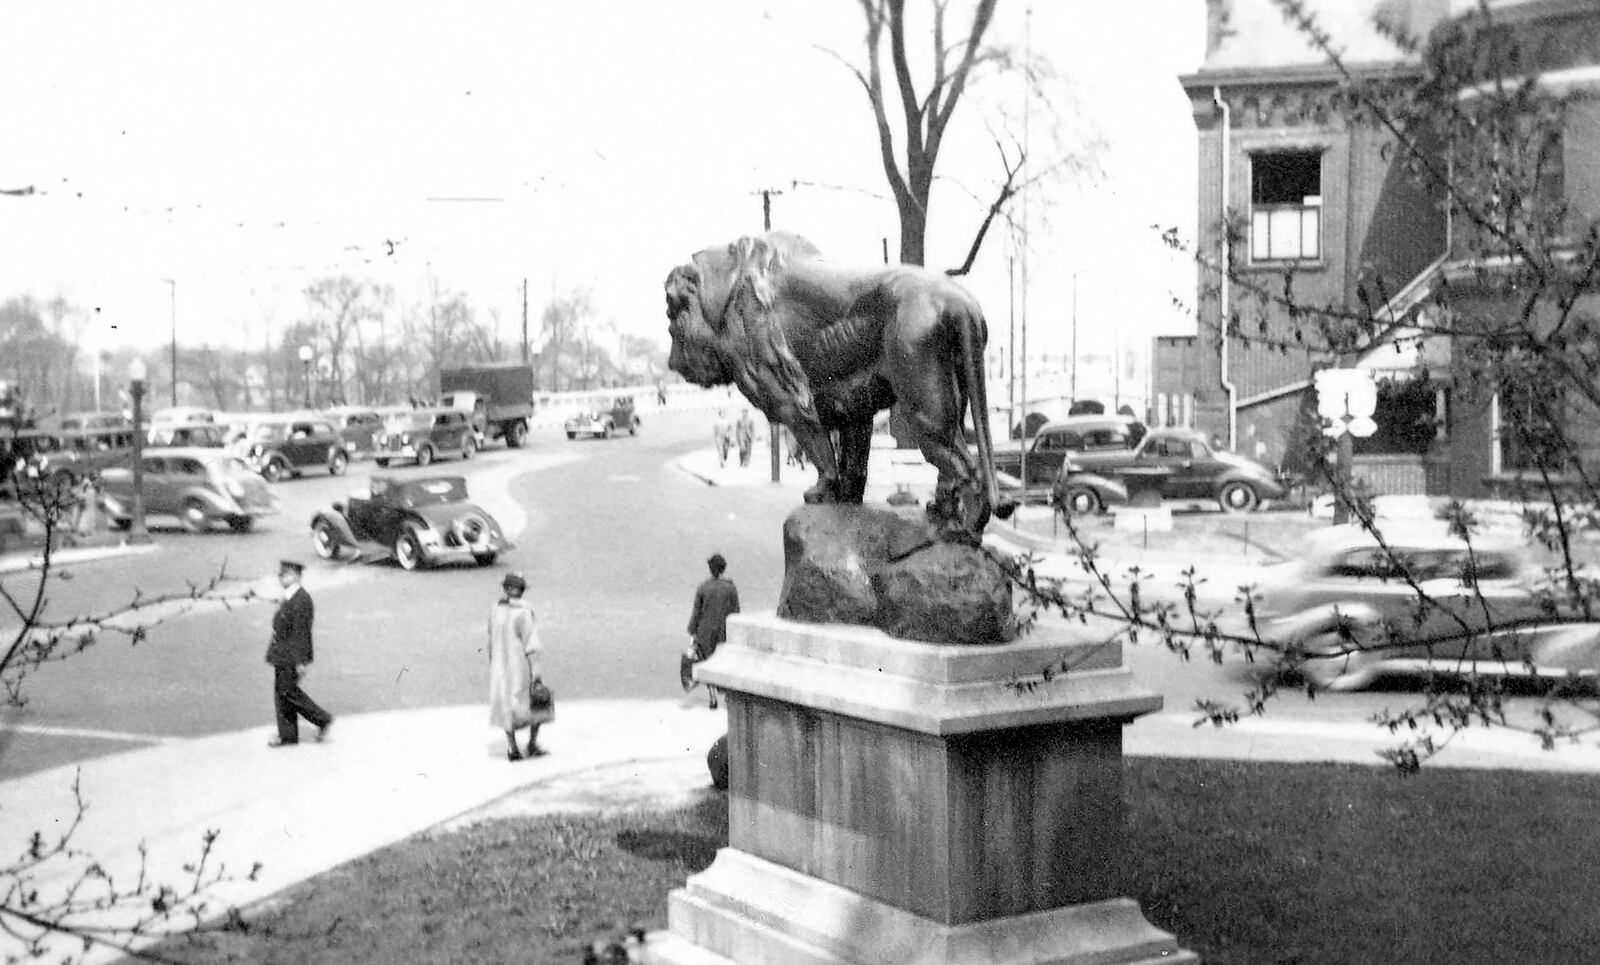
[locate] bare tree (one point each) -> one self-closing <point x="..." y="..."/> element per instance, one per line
<point x="338" y="308"/>
<point x="563" y="323"/>
<point x="52" y="889"/>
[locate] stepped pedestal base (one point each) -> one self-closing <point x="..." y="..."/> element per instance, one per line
<point x="902" y="803"/>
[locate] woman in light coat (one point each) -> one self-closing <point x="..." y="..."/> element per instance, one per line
<point x="514" y="665"/>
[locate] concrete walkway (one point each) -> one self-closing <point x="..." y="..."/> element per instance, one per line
<point x="382" y="777"/>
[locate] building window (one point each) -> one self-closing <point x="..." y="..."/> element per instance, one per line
<point x="1528" y="436"/>
<point x="1286" y="206"/>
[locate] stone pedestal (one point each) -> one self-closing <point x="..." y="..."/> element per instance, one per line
<point x="901" y="802"/>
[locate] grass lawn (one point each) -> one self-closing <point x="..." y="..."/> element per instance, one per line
<point x="1246" y="863"/>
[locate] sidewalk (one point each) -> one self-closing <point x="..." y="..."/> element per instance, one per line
<point x="382" y="777"/>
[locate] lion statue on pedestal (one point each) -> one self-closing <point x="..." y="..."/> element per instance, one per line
<point x="822" y="349"/>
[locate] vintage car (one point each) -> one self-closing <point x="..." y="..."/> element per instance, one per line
<point x="205" y="434"/>
<point x="289" y="446"/>
<point x="604" y="419"/>
<point x="423" y="435"/>
<point x="200" y="486"/>
<point x="422" y="522"/>
<point x="1352" y="610"/>
<point x="68" y="456"/>
<point x="1050" y="445"/>
<point x="1186" y="467"/>
<point x="358" y="427"/>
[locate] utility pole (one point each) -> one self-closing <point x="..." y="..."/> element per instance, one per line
<point x="173" y="284"/>
<point x="1073" y="383"/>
<point x="766" y="225"/>
<point x="1027" y="112"/>
<point x="525" y="356"/>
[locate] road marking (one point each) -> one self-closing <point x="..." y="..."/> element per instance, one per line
<point x="105" y="735"/>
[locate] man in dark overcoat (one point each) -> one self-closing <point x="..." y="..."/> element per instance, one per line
<point x="290" y="653"/>
<point x="714" y="601"/>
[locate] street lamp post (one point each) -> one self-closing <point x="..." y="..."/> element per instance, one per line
<point x="136" y="388"/>
<point x="173" y="284"/>
<point x="305" y="363"/>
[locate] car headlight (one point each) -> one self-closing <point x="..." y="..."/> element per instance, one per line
<point x="405" y="439"/>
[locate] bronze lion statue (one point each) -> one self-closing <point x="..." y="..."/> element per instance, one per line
<point x="822" y="349"/>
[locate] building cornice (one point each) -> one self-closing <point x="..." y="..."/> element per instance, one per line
<point x="1203" y="80"/>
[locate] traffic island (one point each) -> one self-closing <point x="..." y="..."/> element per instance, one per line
<point x="893" y="801"/>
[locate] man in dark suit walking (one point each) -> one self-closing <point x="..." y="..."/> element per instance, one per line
<point x="289" y="653"/>
<point x="714" y="600"/>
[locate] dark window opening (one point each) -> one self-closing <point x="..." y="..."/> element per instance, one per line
<point x="1286" y="206"/>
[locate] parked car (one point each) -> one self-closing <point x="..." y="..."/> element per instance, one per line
<point x="1053" y="443"/>
<point x="423" y="435"/>
<point x="200" y="486"/>
<point x="208" y="435"/>
<point x="357" y="426"/>
<point x="69" y="456"/>
<point x="1189" y="469"/>
<point x="80" y="421"/>
<point x="422" y="522"/>
<point x="288" y="447"/>
<point x="604" y="419"/>
<point x="1421" y="602"/>
<point x="182" y="415"/>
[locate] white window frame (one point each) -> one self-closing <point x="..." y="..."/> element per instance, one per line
<point x="1263" y="217"/>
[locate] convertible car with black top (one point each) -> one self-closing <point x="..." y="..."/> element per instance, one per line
<point x="421" y="522"/>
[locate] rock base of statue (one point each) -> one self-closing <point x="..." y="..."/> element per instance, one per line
<point x="886" y="569"/>
<point x="901" y="803"/>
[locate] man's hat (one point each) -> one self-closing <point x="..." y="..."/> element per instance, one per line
<point x="291" y="565"/>
<point x="514" y="580"/>
<point x="716" y="560"/>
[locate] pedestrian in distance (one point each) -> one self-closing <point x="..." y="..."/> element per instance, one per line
<point x="714" y="600"/>
<point x="722" y="436"/>
<point x="290" y="655"/>
<point x="745" y="432"/>
<point x="518" y="697"/>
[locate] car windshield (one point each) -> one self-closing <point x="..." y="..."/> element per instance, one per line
<point x="405" y="420"/>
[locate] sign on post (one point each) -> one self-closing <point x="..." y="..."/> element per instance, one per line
<point x="1347" y="398"/>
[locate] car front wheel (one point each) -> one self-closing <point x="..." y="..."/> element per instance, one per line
<point x="407" y="551"/>
<point x="274" y="470"/>
<point x="469" y="450"/>
<point x="633" y="427"/>
<point x="1080" y="501"/>
<point x="325" y="540"/>
<point x="1237" y="497"/>
<point x="382" y="462"/>
<point x="425" y="456"/>
<point x="605" y="431"/>
<point x="572" y="435"/>
<point x="337" y="464"/>
<point x="486" y="559"/>
<point x="242" y="524"/>
<point x="194" y="516"/>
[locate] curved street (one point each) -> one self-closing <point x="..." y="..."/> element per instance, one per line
<point x="612" y="535"/>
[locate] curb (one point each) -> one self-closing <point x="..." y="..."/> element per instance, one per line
<point x="18" y="562"/>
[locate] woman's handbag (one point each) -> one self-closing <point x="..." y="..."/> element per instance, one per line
<point x="686" y="664"/>
<point x="541" y="701"/>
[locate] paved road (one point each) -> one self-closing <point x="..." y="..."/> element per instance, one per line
<point x="612" y="538"/>
<point x="614" y="541"/>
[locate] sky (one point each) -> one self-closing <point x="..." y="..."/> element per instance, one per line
<point x="195" y="165"/>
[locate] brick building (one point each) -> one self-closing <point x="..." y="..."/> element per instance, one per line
<point x="1290" y="194"/>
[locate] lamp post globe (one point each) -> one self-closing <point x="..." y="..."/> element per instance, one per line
<point x="305" y="363"/>
<point x="136" y="389"/>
